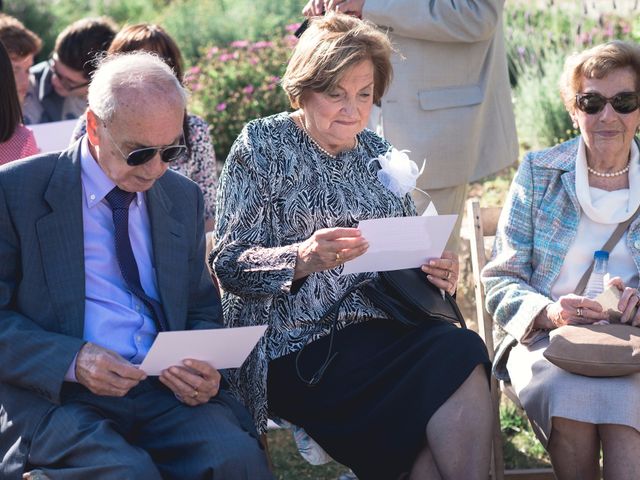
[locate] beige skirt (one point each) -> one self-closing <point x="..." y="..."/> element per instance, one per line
<point x="547" y="391"/>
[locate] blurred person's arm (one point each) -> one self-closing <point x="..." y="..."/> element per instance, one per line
<point x="462" y="21"/>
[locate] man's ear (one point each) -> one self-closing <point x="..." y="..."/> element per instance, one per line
<point x="92" y="128"/>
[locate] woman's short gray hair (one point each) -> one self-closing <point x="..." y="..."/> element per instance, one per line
<point x="597" y="62"/>
<point x="330" y="46"/>
<point x="138" y="70"/>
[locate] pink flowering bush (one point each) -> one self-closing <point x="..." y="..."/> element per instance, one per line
<point x="233" y="85"/>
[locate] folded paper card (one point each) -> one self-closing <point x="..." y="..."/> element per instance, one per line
<point x="609" y="300"/>
<point x="53" y="136"/>
<point x="401" y="242"/>
<point x="221" y="347"/>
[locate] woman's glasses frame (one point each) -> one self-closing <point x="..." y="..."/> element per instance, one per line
<point x="593" y="103"/>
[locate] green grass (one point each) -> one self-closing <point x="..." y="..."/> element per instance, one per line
<point x="521" y="447"/>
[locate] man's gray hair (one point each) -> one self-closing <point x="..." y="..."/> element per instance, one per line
<point x="141" y="71"/>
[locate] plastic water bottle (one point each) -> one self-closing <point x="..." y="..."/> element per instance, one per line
<point x="595" y="286"/>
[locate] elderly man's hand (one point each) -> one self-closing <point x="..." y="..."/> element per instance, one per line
<point x="350" y="7"/>
<point x="194" y="383"/>
<point x="319" y="7"/>
<point x="313" y="8"/>
<point x="104" y="372"/>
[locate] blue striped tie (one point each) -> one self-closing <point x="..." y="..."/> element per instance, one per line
<point x="119" y="201"/>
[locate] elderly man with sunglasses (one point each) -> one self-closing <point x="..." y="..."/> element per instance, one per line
<point x="564" y="204"/>
<point x="101" y="248"/>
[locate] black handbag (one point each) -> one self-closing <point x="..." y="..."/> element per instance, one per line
<point x="405" y="295"/>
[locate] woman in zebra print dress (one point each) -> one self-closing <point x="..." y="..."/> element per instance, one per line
<point x="394" y="400"/>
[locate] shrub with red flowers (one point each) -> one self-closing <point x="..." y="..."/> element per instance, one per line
<point x="233" y="85"/>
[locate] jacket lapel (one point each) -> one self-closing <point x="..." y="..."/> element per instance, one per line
<point x="170" y="255"/>
<point x="60" y="236"/>
<point x="564" y="159"/>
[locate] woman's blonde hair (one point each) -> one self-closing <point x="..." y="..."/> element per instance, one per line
<point x="328" y="48"/>
<point x="597" y="62"/>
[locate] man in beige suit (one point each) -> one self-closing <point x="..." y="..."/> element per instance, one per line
<point x="450" y="100"/>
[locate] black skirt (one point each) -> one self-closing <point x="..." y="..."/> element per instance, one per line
<point x="371" y="408"/>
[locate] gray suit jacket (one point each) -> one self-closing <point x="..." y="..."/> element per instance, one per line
<point x="450" y="100"/>
<point x="42" y="282"/>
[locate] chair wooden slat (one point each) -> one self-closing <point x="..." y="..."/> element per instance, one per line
<point x="484" y="225"/>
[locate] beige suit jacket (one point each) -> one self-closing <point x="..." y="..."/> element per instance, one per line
<point x="450" y="100"/>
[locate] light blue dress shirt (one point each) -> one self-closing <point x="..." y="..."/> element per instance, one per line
<point x="114" y="318"/>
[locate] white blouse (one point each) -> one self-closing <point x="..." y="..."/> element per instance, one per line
<point x="602" y="212"/>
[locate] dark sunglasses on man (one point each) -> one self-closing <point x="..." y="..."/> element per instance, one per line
<point x="140" y="156"/>
<point x="592" y="103"/>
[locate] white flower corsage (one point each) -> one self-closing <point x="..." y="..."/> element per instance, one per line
<point x="398" y="172"/>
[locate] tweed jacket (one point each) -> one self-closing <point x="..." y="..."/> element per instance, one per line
<point x="536" y="228"/>
<point x="42" y="282"/>
<point x="450" y="98"/>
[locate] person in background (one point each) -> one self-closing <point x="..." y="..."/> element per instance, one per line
<point x="102" y="248"/>
<point x="58" y="86"/>
<point x="16" y="140"/>
<point x="293" y="189"/>
<point x="22" y="45"/>
<point x="450" y="99"/>
<point x="564" y="204"/>
<point x="200" y="165"/>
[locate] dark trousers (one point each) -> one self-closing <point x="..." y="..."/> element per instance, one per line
<point x="148" y="434"/>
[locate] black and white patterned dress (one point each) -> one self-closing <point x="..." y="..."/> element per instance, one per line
<point x="277" y="188"/>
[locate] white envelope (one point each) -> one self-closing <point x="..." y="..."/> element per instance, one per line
<point x="401" y="242"/>
<point x="220" y="347"/>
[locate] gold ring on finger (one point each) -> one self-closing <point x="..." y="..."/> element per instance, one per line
<point x="338" y="257"/>
<point x="579" y="312"/>
<point x="195" y="393"/>
<point x="448" y="274"/>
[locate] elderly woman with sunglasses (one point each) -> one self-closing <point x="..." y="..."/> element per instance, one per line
<point x="564" y="203"/>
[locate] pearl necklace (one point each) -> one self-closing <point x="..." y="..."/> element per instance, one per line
<point x="317" y="145"/>
<point x="607" y="174"/>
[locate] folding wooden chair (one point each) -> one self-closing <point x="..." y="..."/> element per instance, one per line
<point x="485" y="222"/>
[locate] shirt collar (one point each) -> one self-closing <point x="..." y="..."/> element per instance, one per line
<point x="96" y="183"/>
<point x="582" y="185"/>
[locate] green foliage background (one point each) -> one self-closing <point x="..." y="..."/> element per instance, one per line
<point x="539" y="35"/>
<point x="193" y="23"/>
